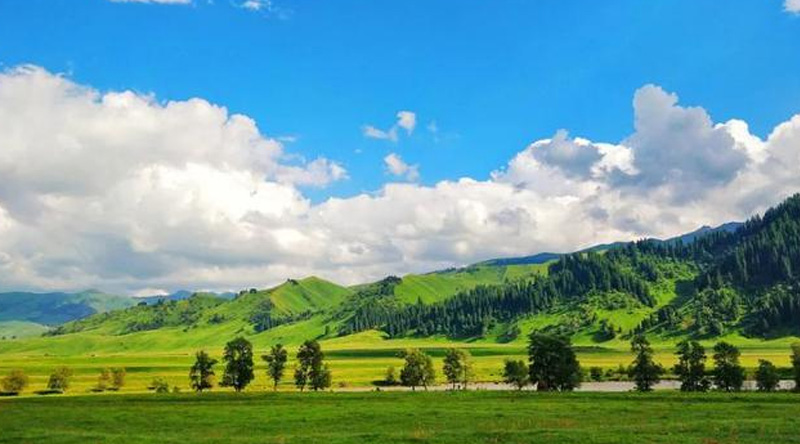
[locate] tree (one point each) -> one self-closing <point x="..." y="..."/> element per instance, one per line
<point x="644" y="371"/>
<point x="238" y="357"/>
<point x="457" y="367"/>
<point x="15" y="382"/>
<point x="417" y="370"/>
<point x="691" y="367"/>
<point x="515" y="373"/>
<point x="118" y="378"/>
<point x="201" y="375"/>
<point x="796" y="365"/>
<point x="553" y="365"/>
<point x="311" y="368"/>
<point x="276" y="363"/>
<point x="767" y="378"/>
<point x="728" y="374"/>
<point x="59" y="379"/>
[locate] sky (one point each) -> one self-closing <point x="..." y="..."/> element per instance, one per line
<point x="150" y="146"/>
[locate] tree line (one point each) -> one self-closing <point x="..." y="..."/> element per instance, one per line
<point x="552" y="366"/>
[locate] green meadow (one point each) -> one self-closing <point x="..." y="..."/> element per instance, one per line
<point x="454" y="417"/>
<point x="355" y="361"/>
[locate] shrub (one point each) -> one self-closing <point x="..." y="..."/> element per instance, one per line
<point x="159" y="385"/>
<point x="596" y="374"/>
<point x="59" y="379"/>
<point x="15" y="382"/>
<point x="118" y="378"/>
<point x="767" y="378"/>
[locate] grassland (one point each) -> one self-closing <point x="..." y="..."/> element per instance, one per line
<point x="355" y="360"/>
<point x="337" y="418"/>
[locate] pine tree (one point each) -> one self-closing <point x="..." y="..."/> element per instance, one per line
<point x="644" y="371"/>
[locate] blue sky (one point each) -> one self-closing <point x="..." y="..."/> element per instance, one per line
<point x="154" y="145"/>
<point x="493" y="76"/>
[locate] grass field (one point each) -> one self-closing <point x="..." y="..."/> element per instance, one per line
<point x="355" y="360"/>
<point x="471" y="417"/>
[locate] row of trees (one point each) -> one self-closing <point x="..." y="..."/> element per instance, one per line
<point x="554" y="367"/>
<point x="728" y="374"/>
<point x="418" y="369"/>
<point x="311" y="371"/>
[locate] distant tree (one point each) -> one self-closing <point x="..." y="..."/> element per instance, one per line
<point x="276" y="363"/>
<point x="59" y="379"/>
<point x="118" y="378"/>
<point x="515" y="373"/>
<point x="728" y="374"/>
<point x="417" y="370"/>
<point x="391" y="376"/>
<point x="553" y="365"/>
<point x="311" y="368"/>
<point x="767" y="378"/>
<point x="159" y="385"/>
<point x="596" y="374"/>
<point x="691" y="367"/>
<point x="104" y="379"/>
<point x="15" y="382"/>
<point x="238" y="357"/>
<point x="201" y="375"/>
<point x="457" y="367"/>
<point x="796" y="365"/>
<point x="644" y="371"/>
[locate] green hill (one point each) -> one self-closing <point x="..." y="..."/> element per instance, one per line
<point x="741" y="281"/>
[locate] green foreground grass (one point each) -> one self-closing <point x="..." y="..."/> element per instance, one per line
<point x="466" y="417"/>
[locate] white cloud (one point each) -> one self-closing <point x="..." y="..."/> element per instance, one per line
<point x="123" y="192"/>
<point x="374" y="133"/>
<point x="792" y="6"/>
<point x="256" y="5"/>
<point x="397" y="167"/>
<point x="406" y="120"/>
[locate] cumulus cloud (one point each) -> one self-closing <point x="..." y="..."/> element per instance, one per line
<point x="792" y="6"/>
<point x="406" y="120"/>
<point x="127" y="193"/>
<point x="398" y="167"/>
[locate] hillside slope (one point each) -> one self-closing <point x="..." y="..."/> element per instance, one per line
<point x="738" y="280"/>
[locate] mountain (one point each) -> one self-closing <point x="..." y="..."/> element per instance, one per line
<point x="25" y="314"/>
<point x="738" y="278"/>
<point x="688" y="238"/>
